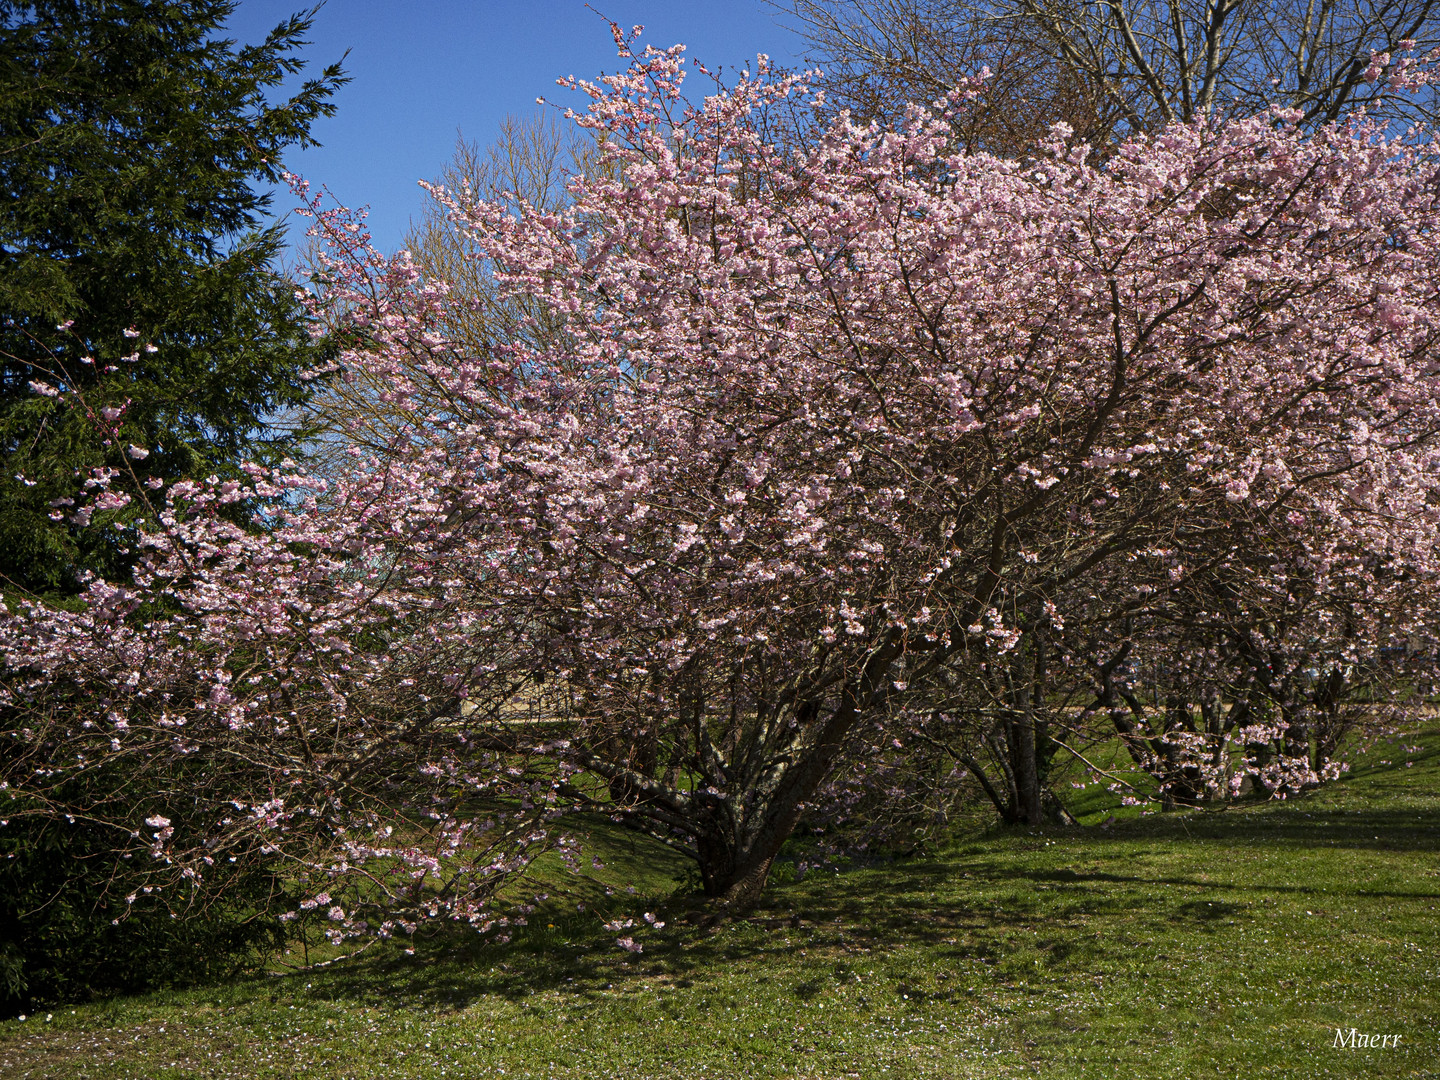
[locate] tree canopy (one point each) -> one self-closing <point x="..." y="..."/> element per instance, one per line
<point x="1123" y="66"/>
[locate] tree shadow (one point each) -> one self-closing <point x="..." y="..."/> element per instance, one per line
<point x="974" y="905"/>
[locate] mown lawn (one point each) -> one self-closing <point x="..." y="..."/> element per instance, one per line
<point x="1183" y="945"/>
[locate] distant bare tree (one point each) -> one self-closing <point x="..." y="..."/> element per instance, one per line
<point x="878" y="55"/>
<point x="1111" y="66"/>
<point x="528" y="163"/>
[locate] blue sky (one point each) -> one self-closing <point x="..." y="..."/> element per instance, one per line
<point x="424" y="69"/>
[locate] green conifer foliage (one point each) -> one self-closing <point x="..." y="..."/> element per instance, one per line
<point x="133" y="138"/>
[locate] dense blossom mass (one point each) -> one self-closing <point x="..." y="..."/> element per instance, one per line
<point x="836" y="443"/>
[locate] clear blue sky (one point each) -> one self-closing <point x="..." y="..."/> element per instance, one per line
<point x="424" y="69"/>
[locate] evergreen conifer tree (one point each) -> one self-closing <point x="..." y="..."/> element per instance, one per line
<point x="136" y="146"/>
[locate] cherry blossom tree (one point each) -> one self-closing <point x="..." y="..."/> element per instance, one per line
<point x="1262" y="662"/>
<point x="847" y="438"/>
<point x="835" y="437"/>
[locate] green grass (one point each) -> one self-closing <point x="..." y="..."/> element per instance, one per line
<point x="1181" y="945"/>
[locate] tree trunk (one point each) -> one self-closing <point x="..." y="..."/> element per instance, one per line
<point x="1029" y="808"/>
<point x="735" y="854"/>
<point x="735" y="872"/>
<point x="740" y="846"/>
<point x="749" y="882"/>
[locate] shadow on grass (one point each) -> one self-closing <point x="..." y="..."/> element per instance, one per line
<point x="989" y="900"/>
<point x="998" y="871"/>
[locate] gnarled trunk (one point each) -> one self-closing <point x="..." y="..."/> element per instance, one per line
<point x="739" y="840"/>
<point x="736" y="878"/>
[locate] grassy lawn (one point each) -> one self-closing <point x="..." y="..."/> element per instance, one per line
<point x="1182" y="945"/>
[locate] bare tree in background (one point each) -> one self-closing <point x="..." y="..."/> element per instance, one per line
<point x="1108" y="67"/>
<point x="879" y="55"/>
<point x="529" y="162"/>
